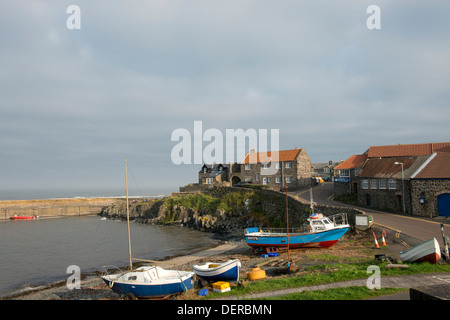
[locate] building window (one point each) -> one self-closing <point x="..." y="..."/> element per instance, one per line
<point x="209" y="180"/>
<point x="392" y="184"/>
<point x="288" y="179"/>
<point x="344" y="173"/>
<point x="365" y="184"/>
<point x="248" y="167"/>
<point x="277" y="165"/>
<point x="382" y="184"/>
<point x="373" y="184"/>
<point x="266" y="165"/>
<point x="278" y="179"/>
<point x="248" y="179"/>
<point x="288" y="165"/>
<point x="257" y="177"/>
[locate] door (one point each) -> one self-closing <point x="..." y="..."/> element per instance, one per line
<point x="444" y="204"/>
<point x="264" y="180"/>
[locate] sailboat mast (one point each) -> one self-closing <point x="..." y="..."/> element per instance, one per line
<point x="128" y="215"/>
<point x="287" y="224"/>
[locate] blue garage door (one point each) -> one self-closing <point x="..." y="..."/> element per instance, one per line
<point x="444" y="204"/>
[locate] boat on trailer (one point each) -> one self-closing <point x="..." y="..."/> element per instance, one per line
<point x="427" y="251"/>
<point x="321" y="231"/>
<point x="214" y="271"/>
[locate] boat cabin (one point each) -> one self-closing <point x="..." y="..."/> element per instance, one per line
<point x="317" y="222"/>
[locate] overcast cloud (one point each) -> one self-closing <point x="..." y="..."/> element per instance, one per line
<point x="75" y="103"/>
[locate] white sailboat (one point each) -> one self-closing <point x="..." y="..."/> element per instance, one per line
<point x="147" y="281"/>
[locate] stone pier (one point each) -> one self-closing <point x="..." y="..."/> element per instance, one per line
<point x="55" y="207"/>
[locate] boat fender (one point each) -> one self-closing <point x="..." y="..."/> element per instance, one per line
<point x="256" y="274"/>
<point x="111" y="284"/>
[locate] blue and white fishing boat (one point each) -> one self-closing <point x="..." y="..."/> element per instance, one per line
<point x="150" y="282"/>
<point x="321" y="232"/>
<point x="213" y="271"/>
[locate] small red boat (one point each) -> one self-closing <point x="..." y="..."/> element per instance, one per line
<point x="16" y="217"/>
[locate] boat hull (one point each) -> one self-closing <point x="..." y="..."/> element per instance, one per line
<point x="321" y="239"/>
<point x="158" y="289"/>
<point x="427" y="251"/>
<point x="228" y="271"/>
<point x="23" y="218"/>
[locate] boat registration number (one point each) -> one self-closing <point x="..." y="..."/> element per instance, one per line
<point x="252" y="238"/>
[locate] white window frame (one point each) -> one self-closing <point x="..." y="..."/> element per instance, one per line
<point x="288" y="179"/>
<point x="278" y="180"/>
<point x="392" y="184"/>
<point x="248" y="179"/>
<point x="344" y="173"/>
<point x="382" y="184"/>
<point x="209" y="180"/>
<point x="248" y="167"/>
<point x="373" y="184"/>
<point x="288" y="165"/>
<point x="365" y="184"/>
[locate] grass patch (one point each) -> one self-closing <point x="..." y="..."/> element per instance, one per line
<point x="347" y="293"/>
<point x="328" y="273"/>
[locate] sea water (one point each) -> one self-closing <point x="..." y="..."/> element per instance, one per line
<point x="38" y="252"/>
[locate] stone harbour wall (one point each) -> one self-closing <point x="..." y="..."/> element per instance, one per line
<point x="55" y="207"/>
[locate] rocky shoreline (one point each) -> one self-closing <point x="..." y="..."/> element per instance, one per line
<point x="354" y="246"/>
<point x="93" y="288"/>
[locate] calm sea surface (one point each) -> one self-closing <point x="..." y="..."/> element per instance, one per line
<point x="35" y="253"/>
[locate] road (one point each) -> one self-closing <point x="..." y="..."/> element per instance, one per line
<point x="416" y="227"/>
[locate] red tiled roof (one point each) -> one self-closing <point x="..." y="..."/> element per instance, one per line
<point x="261" y="157"/>
<point x="419" y="149"/>
<point x="437" y="168"/>
<point x="355" y="161"/>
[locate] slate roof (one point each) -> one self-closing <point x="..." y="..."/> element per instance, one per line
<point x="386" y="167"/>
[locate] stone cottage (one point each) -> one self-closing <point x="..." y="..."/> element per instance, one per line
<point x="293" y="169"/>
<point x="413" y="178"/>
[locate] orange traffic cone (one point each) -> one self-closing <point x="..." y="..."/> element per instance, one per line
<point x="376" y="242"/>
<point x="383" y="241"/>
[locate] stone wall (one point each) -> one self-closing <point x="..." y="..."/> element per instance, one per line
<point x="385" y="199"/>
<point x="429" y="190"/>
<point x="258" y="208"/>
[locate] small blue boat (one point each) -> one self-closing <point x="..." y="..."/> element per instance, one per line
<point x="150" y="282"/>
<point x="213" y="271"/>
<point x="321" y="232"/>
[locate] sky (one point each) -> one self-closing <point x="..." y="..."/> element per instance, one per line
<point x="74" y="103"/>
